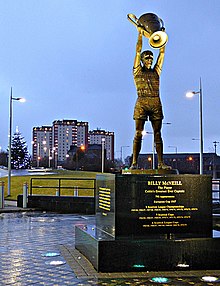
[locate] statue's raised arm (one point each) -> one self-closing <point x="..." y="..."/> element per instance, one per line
<point x="147" y="80"/>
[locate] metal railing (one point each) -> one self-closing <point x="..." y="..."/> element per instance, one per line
<point x="79" y="185"/>
<point x="216" y="191"/>
<point x="71" y="186"/>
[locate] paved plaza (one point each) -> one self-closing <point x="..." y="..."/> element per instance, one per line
<point x="37" y="248"/>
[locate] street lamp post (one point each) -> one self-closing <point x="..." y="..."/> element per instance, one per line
<point x="55" y="156"/>
<point x="103" y="155"/>
<point x="79" y="149"/>
<point x="122" y="152"/>
<point x="153" y="147"/>
<point x="175" y="147"/>
<point x="174" y="160"/>
<point x="38" y="155"/>
<point x="153" y="143"/>
<point x="189" y="95"/>
<point x="10" y="138"/>
<point x="49" y="158"/>
<point x="215" y="146"/>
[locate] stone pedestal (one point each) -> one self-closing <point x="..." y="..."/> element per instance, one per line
<point x="151" y="222"/>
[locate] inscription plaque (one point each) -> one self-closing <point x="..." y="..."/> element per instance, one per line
<point x="147" y="206"/>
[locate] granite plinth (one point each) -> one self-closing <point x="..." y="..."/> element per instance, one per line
<point x="151" y="222"/>
<point x="110" y="255"/>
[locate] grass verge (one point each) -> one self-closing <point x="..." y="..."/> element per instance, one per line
<point x="49" y="187"/>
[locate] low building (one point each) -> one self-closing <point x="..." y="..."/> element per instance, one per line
<point x="186" y="163"/>
<point x="89" y="159"/>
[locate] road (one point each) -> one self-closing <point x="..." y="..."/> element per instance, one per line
<point x="4" y="173"/>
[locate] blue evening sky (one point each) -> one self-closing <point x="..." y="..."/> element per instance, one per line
<point x="72" y="59"/>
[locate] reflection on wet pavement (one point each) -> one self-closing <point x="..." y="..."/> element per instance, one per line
<point x="30" y="254"/>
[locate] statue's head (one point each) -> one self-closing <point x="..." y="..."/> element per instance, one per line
<point x="147" y="58"/>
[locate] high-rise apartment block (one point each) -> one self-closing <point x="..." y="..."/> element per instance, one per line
<point x="67" y="133"/>
<point x="42" y="142"/>
<point x="99" y="136"/>
<point x="55" y="141"/>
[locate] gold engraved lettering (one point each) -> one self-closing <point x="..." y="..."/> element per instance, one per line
<point x="104" y="198"/>
<point x="105" y="202"/>
<point x="167" y="188"/>
<point x="104" y="195"/>
<point x="171" y="183"/>
<point x="149" y="191"/>
<point x="164" y="205"/>
<point x="159" y="202"/>
<point x="104" y="189"/>
<point x="161" y="191"/>
<point x="154" y="183"/>
<point x="164" y="197"/>
<point x="179" y="191"/>
<point x="104" y="208"/>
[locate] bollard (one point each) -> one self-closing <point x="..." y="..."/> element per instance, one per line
<point x="25" y="195"/>
<point x="76" y="193"/>
<point x="57" y="193"/>
<point x="1" y="195"/>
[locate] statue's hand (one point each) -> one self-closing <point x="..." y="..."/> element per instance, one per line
<point x="140" y="30"/>
<point x="143" y="32"/>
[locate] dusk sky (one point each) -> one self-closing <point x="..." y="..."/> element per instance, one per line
<point x="73" y="59"/>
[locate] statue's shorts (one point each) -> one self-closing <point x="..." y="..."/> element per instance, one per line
<point x="148" y="108"/>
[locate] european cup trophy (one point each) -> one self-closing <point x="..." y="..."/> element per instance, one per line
<point x="153" y="28"/>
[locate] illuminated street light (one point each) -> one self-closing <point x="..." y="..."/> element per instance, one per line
<point x="190" y="94"/>
<point x="122" y="152"/>
<point x="153" y="143"/>
<point x="83" y="147"/>
<point x="55" y="156"/>
<point x="49" y="158"/>
<point x="103" y="155"/>
<point x="38" y="154"/>
<point x="153" y="146"/>
<point x="78" y="149"/>
<point x="149" y="159"/>
<point x="21" y="99"/>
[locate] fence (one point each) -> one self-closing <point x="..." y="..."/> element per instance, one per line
<point x="86" y="187"/>
<point x="216" y="191"/>
<point x="63" y="186"/>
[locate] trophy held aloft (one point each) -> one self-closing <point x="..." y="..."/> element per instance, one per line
<point x="153" y="28"/>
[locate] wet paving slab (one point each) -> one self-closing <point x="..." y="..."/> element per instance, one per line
<point x="38" y="249"/>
